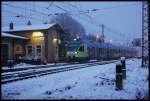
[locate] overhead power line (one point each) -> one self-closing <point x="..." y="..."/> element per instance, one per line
<point x="77" y="9"/>
<point x="49" y="5"/>
<point x="72" y="12"/>
<point x="62" y="8"/>
<point x="35" y="11"/>
<point x="115" y="31"/>
<point x="20" y="15"/>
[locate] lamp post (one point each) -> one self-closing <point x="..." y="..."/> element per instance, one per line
<point x="56" y="47"/>
<point x="97" y="38"/>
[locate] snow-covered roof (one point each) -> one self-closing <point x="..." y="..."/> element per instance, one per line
<point x="28" y="27"/>
<point x="12" y="36"/>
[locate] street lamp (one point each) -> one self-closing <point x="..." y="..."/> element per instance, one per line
<point x="110" y="41"/>
<point x="74" y="39"/>
<point x="78" y="37"/>
<point x="56" y="42"/>
<point x="97" y="38"/>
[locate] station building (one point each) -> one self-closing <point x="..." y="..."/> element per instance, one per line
<point x="44" y="41"/>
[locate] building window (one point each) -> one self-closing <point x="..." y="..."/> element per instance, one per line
<point x="18" y="49"/>
<point x="34" y="50"/>
<point x="38" y="50"/>
<point x="38" y="36"/>
<point x="29" y="50"/>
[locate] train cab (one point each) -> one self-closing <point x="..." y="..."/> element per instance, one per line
<point x="77" y="52"/>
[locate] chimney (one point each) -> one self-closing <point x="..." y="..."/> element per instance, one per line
<point x="29" y="23"/>
<point x="11" y="26"/>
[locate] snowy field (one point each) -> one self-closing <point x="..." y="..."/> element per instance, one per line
<point x="86" y="83"/>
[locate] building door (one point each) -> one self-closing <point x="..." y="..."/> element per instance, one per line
<point x="4" y="54"/>
<point x="62" y="52"/>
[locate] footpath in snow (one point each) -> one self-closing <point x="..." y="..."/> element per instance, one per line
<point x="97" y="82"/>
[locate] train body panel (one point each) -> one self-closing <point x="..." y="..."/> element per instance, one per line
<point x="87" y="49"/>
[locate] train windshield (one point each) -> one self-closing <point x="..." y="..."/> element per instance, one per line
<point x="72" y="47"/>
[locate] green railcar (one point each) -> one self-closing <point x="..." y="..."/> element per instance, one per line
<point x="77" y="52"/>
<point x="80" y="50"/>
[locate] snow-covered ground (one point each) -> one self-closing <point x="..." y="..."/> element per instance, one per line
<point x="86" y="83"/>
<point x="25" y="65"/>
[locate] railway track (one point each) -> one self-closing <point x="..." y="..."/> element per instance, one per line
<point x="7" y="78"/>
<point x="39" y="67"/>
<point x="32" y="67"/>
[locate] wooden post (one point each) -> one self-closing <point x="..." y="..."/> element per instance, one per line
<point x="123" y="61"/>
<point x="10" y="64"/>
<point x="119" y="79"/>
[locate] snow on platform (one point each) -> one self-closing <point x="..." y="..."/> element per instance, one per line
<point x="86" y="83"/>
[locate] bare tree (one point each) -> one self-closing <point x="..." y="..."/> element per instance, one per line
<point x="69" y="25"/>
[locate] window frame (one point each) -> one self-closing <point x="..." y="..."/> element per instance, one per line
<point x="27" y="47"/>
<point x="36" y="48"/>
<point x="81" y="48"/>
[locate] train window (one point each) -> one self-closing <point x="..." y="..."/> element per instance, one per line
<point x="81" y="48"/>
<point x="72" y="48"/>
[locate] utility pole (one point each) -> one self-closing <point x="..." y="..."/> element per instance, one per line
<point x="145" y="19"/>
<point x="102" y="33"/>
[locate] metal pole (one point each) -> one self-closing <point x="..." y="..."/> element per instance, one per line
<point x="102" y="32"/>
<point x="145" y="18"/>
<point x="142" y="34"/>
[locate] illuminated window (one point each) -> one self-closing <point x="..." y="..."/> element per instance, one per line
<point x="37" y="34"/>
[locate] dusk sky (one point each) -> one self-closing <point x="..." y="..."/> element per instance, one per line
<point x="123" y="20"/>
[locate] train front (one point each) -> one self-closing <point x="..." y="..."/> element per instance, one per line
<point x="72" y="51"/>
